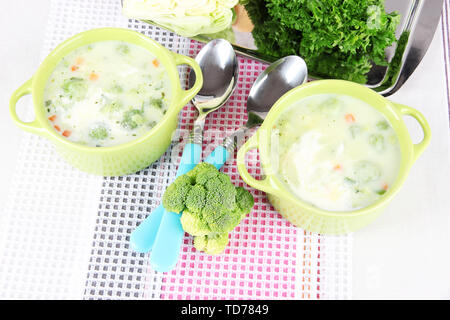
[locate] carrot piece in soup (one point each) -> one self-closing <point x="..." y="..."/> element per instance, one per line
<point x="52" y="118"/>
<point x="349" y="118"/>
<point x="66" y="133"/>
<point x="93" y="76"/>
<point x="155" y="62"/>
<point x="74" y="68"/>
<point x="57" y="128"/>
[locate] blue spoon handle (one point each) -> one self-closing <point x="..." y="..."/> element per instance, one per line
<point x="166" y="247"/>
<point x="143" y="237"/>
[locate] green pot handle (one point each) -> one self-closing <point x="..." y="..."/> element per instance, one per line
<point x="23" y="90"/>
<point x="421" y="146"/>
<point x="187" y="95"/>
<point x="265" y="184"/>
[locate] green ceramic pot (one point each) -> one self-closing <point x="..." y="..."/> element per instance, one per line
<point x="301" y="213"/>
<point x="126" y="158"/>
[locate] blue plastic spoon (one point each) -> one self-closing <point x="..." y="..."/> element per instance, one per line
<point x="219" y="66"/>
<point x="143" y="237"/>
<point x="170" y="234"/>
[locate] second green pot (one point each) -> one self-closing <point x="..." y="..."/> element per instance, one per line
<point x="303" y="214"/>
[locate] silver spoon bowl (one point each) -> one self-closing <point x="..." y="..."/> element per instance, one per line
<point x="277" y="79"/>
<point x="220" y="70"/>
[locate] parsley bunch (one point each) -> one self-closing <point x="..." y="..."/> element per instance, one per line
<point x="337" y="38"/>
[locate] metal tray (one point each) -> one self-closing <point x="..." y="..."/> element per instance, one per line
<point x="419" y="19"/>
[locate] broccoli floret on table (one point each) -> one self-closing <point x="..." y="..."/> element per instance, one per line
<point x="212" y="206"/>
<point x="175" y="195"/>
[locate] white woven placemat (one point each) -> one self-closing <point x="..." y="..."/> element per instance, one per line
<point x="64" y="234"/>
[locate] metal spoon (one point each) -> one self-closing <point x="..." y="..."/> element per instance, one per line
<point x="277" y="79"/>
<point x="219" y="66"/>
<point x="220" y="73"/>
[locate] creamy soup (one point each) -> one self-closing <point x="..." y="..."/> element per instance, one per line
<point x="336" y="152"/>
<point x="107" y="93"/>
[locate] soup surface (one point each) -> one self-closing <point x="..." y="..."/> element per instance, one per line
<point x="336" y="152"/>
<point x="107" y="93"/>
